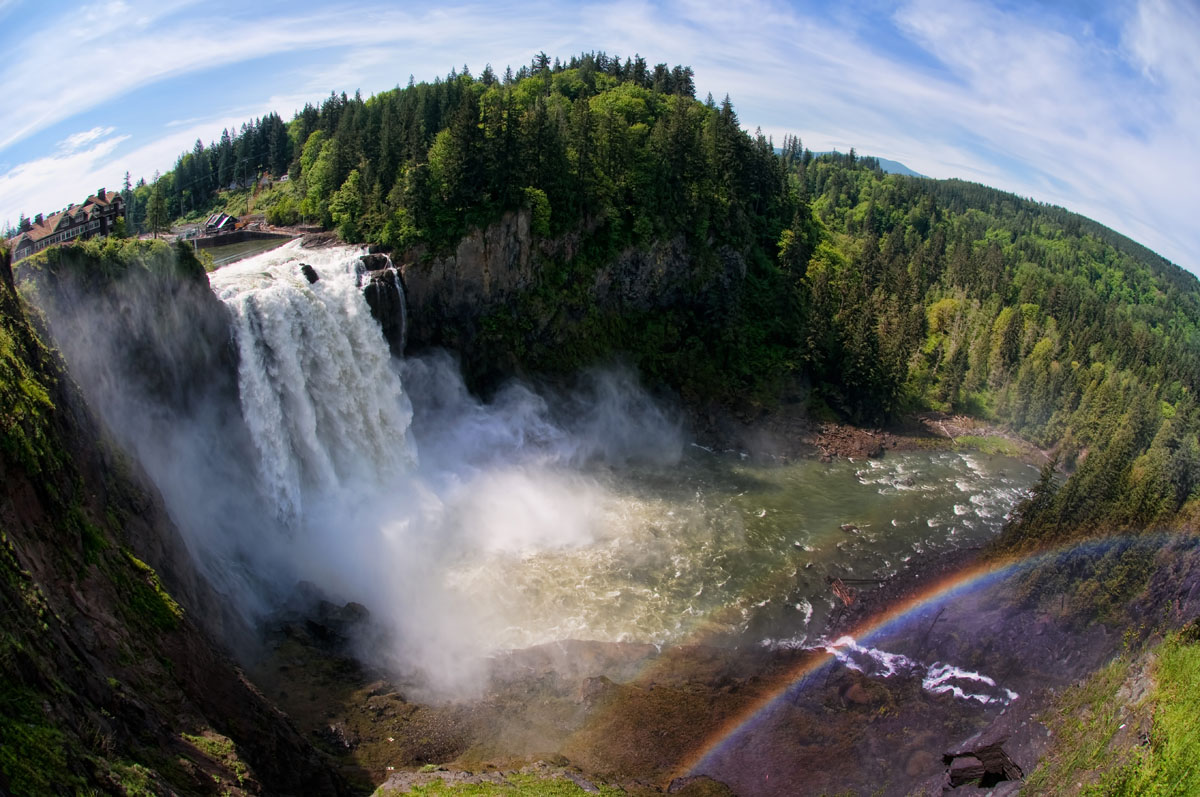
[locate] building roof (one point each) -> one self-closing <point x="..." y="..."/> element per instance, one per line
<point x="91" y="207"/>
<point x="39" y="231"/>
<point x="219" y="220"/>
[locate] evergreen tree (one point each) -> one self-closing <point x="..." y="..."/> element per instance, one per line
<point x="225" y="160"/>
<point x="156" y="210"/>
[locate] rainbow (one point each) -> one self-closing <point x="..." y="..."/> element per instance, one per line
<point x="942" y="589"/>
<point x="936" y="592"/>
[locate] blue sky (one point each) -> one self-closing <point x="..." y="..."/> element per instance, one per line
<point x="1093" y="106"/>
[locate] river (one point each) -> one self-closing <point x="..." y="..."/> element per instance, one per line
<point x="469" y="528"/>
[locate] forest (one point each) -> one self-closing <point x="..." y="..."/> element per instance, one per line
<point x="818" y="279"/>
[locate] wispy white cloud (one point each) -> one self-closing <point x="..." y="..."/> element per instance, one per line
<point x="83" y="60"/>
<point x="79" y="140"/>
<point x="39" y="184"/>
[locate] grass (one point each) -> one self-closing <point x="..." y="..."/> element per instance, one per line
<point x="1170" y="763"/>
<point x="134" y="779"/>
<point x="33" y="751"/>
<point x="25" y="403"/>
<point x="147" y="598"/>
<point x="220" y="749"/>
<point x="989" y="444"/>
<point x="1085" y="723"/>
<point x="1098" y="749"/>
<point x="522" y="785"/>
<point x="983" y="444"/>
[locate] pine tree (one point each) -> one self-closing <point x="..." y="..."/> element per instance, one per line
<point x="200" y="173"/>
<point x="156" y="210"/>
<point x="225" y="161"/>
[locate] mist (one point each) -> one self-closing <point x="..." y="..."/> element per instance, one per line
<point x="290" y="447"/>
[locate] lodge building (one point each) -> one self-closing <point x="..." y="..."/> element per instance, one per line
<point x="96" y="216"/>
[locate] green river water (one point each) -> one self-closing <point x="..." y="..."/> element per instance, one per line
<point x="717" y="547"/>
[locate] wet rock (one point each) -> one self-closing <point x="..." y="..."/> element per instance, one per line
<point x="330" y="626"/>
<point x="375" y="261"/>
<point x="338" y="736"/>
<point x="595" y="689"/>
<point x="384" y="292"/>
<point x="384" y="705"/>
<point x="1005" y="789"/>
<point x="309" y="273"/>
<point x="854" y="693"/>
<point x="378" y="688"/>
<point x="582" y="782"/>
<point x="982" y="758"/>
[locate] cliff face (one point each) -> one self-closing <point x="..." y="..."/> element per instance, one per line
<point x="106" y="681"/>
<point x="509" y="303"/>
<point x="448" y="295"/>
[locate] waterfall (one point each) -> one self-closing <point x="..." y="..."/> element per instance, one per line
<point x="395" y="275"/>
<point x="325" y="408"/>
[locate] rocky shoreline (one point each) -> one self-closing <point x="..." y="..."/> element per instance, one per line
<point x="787" y="432"/>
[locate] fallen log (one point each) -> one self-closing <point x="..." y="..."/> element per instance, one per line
<point x="846" y="594"/>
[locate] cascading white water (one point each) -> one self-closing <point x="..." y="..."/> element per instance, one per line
<point x="325" y="409"/>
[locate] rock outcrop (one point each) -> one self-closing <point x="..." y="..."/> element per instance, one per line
<point x="383" y="288"/>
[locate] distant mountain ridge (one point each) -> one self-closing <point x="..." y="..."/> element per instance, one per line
<point x="888" y="165"/>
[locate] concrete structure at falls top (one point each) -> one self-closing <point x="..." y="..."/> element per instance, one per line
<point x="324" y="406"/>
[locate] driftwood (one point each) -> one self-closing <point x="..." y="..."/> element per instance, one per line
<point x="846" y="594"/>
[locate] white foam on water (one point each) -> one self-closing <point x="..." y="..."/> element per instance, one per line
<point x="807" y="609"/>
<point x="938" y="678"/>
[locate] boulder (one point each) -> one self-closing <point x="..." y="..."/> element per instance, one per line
<point x="376" y="262"/>
<point x="982" y="758"/>
<point x="966" y="769"/>
<point x="384" y="292"/>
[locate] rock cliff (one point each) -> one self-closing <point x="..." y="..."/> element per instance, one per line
<point x="510" y="303"/>
<point x="106" y="681"/>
